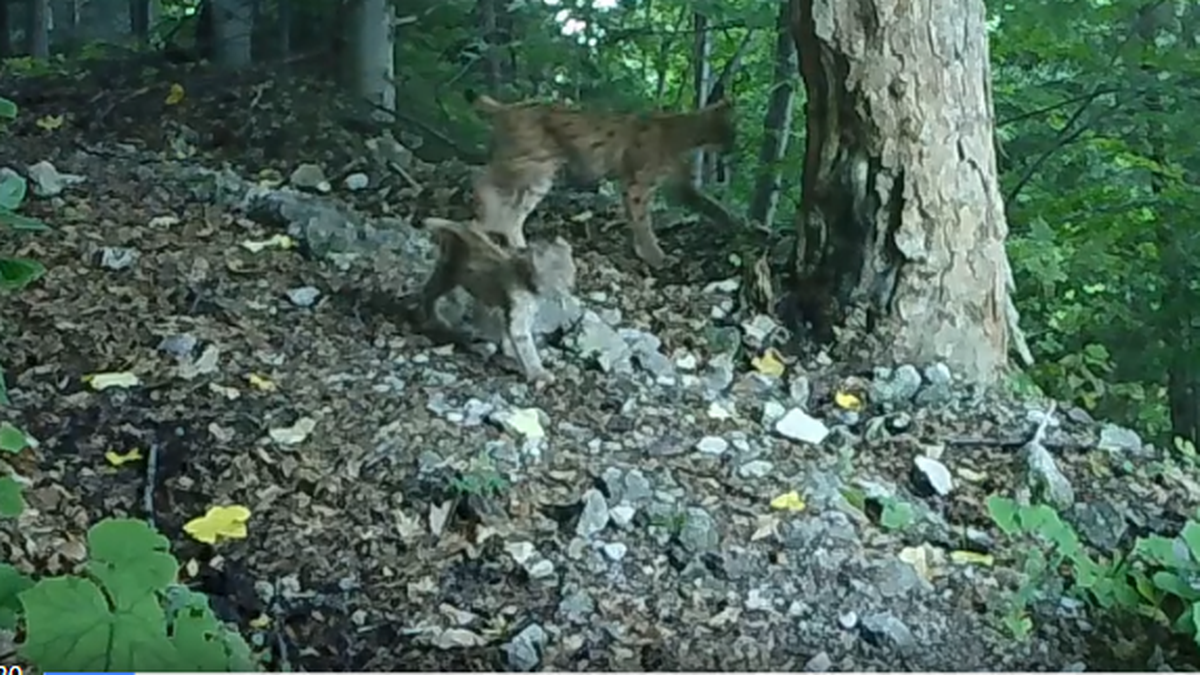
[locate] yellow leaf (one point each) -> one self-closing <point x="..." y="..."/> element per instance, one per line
<point x="176" y="94"/>
<point x="278" y="241"/>
<point x="118" y="459"/>
<point x="221" y="522"/>
<point x="848" y="401"/>
<point x="261" y="622"/>
<point x="770" y="363"/>
<point x="50" y="122"/>
<point x="789" y="501"/>
<point x="261" y="383"/>
<point x="100" y="381"/>
<point x="972" y="558"/>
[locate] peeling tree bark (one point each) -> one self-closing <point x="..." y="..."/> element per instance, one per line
<point x="900" y="236"/>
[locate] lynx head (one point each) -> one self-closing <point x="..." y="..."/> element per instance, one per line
<point x="717" y="128"/>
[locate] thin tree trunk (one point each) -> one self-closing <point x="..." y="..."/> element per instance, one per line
<point x="139" y="20"/>
<point x="6" y="45"/>
<point x="38" y="34"/>
<point x="490" y="29"/>
<point x="702" y="83"/>
<point x="777" y="125"/>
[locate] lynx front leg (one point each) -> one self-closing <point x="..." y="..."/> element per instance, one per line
<point x="505" y="199"/>
<point x="497" y="207"/>
<point x="443" y="279"/>
<point x="638" y="194"/>
<point x="519" y="338"/>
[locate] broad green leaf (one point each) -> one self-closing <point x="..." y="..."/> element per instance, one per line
<point x="12" y="499"/>
<point x="8" y="109"/>
<point x="12" y="439"/>
<point x="12" y="192"/>
<point x="71" y="627"/>
<point x="12" y="583"/>
<point x="21" y="223"/>
<point x="130" y="560"/>
<point x="17" y="273"/>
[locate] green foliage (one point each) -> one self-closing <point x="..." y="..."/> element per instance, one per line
<point x="12" y="441"/>
<point x="125" y="613"/>
<point x="481" y="479"/>
<point x="1099" y="164"/>
<point x="1156" y="580"/>
<point x="897" y="514"/>
<point x="1047" y="546"/>
<point x="1168" y="583"/>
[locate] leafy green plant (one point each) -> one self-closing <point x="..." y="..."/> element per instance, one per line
<point x="15" y="273"/>
<point x="1170" y="578"/>
<point x="124" y="613"/>
<point x="897" y="514"/>
<point x="8" y="112"/>
<point x="480" y="479"/>
<point x="1051" y="546"/>
<point x="12" y="500"/>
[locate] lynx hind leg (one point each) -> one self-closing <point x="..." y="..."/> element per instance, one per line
<point x="637" y="208"/>
<point x="519" y="337"/>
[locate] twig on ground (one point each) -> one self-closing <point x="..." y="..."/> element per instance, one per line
<point x="148" y="489"/>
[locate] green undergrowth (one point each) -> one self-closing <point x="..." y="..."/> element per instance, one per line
<point x="125" y="612"/>
<point x="1154" y="580"/>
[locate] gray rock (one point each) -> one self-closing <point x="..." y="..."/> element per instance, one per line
<point x="758" y="468"/>
<point x="46" y="181"/>
<point x="1117" y="439"/>
<point x="357" y="181"/>
<point x="712" y="445"/>
<point x="699" y="533"/>
<point x="118" y="257"/>
<point x="1045" y="479"/>
<point x="524" y="652"/>
<point x="310" y="177"/>
<point x="933" y="475"/>
<point x="798" y="425"/>
<point x="890" y="388"/>
<point x="304" y="296"/>
<point x="884" y="628"/>
<point x="595" y="514"/>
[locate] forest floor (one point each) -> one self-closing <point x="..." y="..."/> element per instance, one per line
<point x="428" y="520"/>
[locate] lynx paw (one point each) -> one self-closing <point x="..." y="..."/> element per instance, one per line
<point x="540" y="378"/>
<point x="651" y="255"/>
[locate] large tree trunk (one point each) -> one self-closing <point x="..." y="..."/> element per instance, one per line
<point x="776" y="126"/>
<point x="901" y="230"/>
